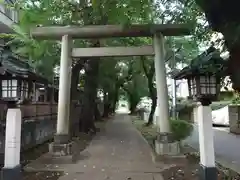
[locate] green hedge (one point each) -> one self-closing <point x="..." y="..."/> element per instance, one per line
<point x="181" y="129"/>
<point x="185" y="111"/>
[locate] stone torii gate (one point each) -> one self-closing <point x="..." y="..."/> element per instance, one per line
<point x="67" y="33"/>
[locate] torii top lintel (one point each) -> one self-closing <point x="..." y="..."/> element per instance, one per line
<point x="108" y="31"/>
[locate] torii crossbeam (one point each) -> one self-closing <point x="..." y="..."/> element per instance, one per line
<point x="110" y="31"/>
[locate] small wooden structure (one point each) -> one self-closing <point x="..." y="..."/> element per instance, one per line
<point x="18" y="79"/>
<point x="19" y="82"/>
<point x="209" y="64"/>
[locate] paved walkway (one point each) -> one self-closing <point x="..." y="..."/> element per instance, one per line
<point x="118" y="153"/>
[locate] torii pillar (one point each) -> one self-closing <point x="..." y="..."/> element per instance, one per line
<point x="164" y="144"/>
<point x="62" y="143"/>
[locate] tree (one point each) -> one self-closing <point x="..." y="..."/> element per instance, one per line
<point x="111" y="77"/>
<point x="184" y="48"/>
<point x="104" y="13"/>
<point x="78" y="13"/>
<point x="60" y="12"/>
<point x="135" y="85"/>
<point x="223" y="17"/>
<point x="149" y="71"/>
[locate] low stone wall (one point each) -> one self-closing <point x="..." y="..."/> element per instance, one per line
<point x="38" y="126"/>
<point x="33" y="133"/>
<point x="234" y="118"/>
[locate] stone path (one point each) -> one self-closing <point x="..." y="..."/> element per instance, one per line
<point x="118" y="153"/>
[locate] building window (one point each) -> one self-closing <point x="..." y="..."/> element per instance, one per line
<point x="9" y="88"/>
<point x="24" y="89"/>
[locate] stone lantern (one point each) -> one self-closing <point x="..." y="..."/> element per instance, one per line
<point x="204" y="87"/>
<point x="203" y="75"/>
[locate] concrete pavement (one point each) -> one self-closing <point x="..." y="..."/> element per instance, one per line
<point x="227" y="146"/>
<point x="117" y="153"/>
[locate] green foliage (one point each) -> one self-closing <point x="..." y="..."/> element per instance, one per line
<point x="127" y="73"/>
<point x="181" y="129"/>
<point x="60" y="12"/>
<point x="236" y="99"/>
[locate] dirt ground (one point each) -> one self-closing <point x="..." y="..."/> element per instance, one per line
<point x="41" y="175"/>
<point x="34" y="153"/>
<point x="187" y="169"/>
<point x="184" y="168"/>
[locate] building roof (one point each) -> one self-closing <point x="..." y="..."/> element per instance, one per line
<point x="14" y="64"/>
<point x="209" y="62"/>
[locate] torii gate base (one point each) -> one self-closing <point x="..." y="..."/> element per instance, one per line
<point x="61" y="144"/>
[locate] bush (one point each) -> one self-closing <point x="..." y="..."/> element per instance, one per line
<point x="180" y="129"/>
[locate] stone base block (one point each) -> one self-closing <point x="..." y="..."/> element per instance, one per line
<point x="61" y="138"/>
<point x="11" y="173"/>
<point x="166" y="145"/>
<point x="208" y="173"/>
<point x="61" y="149"/>
<point x="234" y="121"/>
<point x="170" y="159"/>
<point x="167" y="148"/>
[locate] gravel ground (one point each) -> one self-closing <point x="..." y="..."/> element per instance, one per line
<point x="184" y="168"/>
<point x="32" y="154"/>
<point x="187" y="169"/>
<point x="36" y="152"/>
<point x="41" y="175"/>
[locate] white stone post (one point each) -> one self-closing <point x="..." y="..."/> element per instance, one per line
<point x="12" y="169"/>
<point x="161" y="84"/>
<point x="64" y="91"/>
<point x="206" y="143"/>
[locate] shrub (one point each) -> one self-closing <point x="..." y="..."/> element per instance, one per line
<point x="181" y="129"/>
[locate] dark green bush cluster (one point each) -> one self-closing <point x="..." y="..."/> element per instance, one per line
<point x="181" y="129"/>
<point x="236" y="99"/>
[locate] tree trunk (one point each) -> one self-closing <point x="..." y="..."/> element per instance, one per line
<point x="234" y="64"/>
<point x="94" y="16"/>
<point x="152" y="91"/>
<point x="153" y="96"/>
<point x="133" y="102"/>
<point x="107" y="104"/>
<point x="75" y="78"/>
<point x="89" y="97"/>
<point x="74" y="120"/>
<point x="90" y="93"/>
<point x="97" y="116"/>
<point x="153" y="108"/>
<point x="115" y="98"/>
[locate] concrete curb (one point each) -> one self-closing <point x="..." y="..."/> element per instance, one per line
<point x="152" y="153"/>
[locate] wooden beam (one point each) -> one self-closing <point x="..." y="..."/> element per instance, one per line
<point x="108" y="31"/>
<point x="2" y="71"/>
<point x="113" y="51"/>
